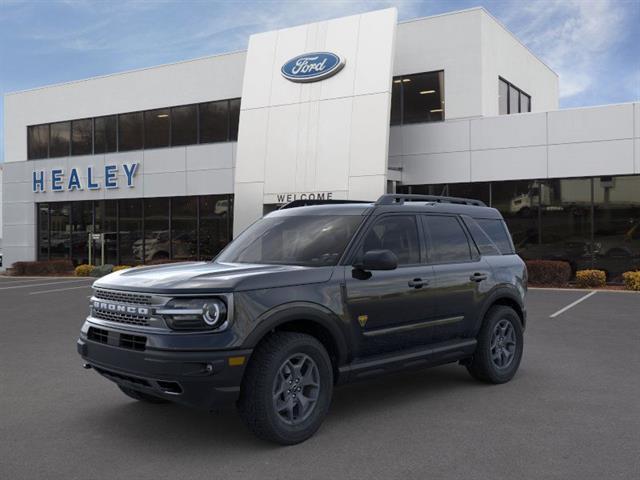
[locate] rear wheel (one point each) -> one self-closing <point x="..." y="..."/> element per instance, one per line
<point x="287" y="388"/>
<point x="141" y="396"/>
<point x="500" y="345"/>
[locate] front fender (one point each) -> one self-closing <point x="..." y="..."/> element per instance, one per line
<point x="308" y="311"/>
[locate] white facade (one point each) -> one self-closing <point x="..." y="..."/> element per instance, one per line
<point x="330" y="136"/>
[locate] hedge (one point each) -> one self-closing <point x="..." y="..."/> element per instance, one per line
<point x="549" y="273"/>
<point x="46" y="267"/>
<point x="631" y="280"/>
<point x="84" y="270"/>
<point x="591" y="278"/>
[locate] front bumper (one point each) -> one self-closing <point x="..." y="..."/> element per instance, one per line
<point x="203" y="379"/>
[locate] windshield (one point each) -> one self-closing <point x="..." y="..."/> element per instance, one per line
<point x="313" y="240"/>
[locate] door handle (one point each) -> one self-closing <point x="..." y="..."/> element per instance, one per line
<point x="478" y="277"/>
<point x="417" y="283"/>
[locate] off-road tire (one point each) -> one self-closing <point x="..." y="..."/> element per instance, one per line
<point x="141" y="396"/>
<point x="256" y="404"/>
<point x="482" y="366"/>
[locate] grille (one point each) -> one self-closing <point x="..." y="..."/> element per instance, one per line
<point x="123" y="297"/>
<point x="133" y="342"/>
<point x="121" y="317"/>
<point x="98" y="335"/>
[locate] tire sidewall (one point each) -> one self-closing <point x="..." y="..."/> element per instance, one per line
<point x="296" y="433"/>
<point x="495" y="374"/>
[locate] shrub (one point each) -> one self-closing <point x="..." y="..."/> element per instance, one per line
<point x="549" y="273"/>
<point x="84" y="270"/>
<point x="631" y="280"/>
<point x="46" y="267"/>
<point x="591" y="278"/>
<point x="102" y="270"/>
<point x="121" y="267"/>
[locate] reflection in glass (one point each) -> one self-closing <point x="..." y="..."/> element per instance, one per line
<point x="82" y="137"/>
<point x="234" y="118"/>
<point x="184" y="228"/>
<point x="503" y="97"/>
<point x="157" y="245"/>
<point x="130" y="232"/>
<point x="43" y="231"/>
<point x="421" y="98"/>
<point x="59" y="139"/>
<point x="215" y="224"/>
<point x="105" y="134"/>
<point x="38" y="141"/>
<point x="60" y="238"/>
<point x="81" y="226"/>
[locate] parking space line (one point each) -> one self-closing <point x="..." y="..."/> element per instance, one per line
<point x="44" y="284"/>
<point x="573" y="304"/>
<point x="59" y="290"/>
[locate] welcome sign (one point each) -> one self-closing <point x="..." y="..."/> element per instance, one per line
<point x="57" y="180"/>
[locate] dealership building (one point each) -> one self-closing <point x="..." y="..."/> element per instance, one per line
<point x="171" y="162"/>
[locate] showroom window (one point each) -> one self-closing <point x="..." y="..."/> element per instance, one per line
<point x="591" y="222"/>
<point x="159" y="128"/>
<point x="38" y="141"/>
<point x="511" y="99"/>
<point x="417" y="98"/>
<point x="59" y="139"/>
<point x="105" y="134"/>
<point x="136" y="231"/>
<point x="82" y="137"/>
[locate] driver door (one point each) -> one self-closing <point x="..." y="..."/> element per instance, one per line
<point x="388" y="309"/>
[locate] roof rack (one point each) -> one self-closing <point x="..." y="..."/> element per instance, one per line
<point x="308" y="202"/>
<point x="391" y="199"/>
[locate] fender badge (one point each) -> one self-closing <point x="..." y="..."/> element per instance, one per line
<point x="362" y="320"/>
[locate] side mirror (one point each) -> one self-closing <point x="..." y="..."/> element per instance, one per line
<point x="378" y="260"/>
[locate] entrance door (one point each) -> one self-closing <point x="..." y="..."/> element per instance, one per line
<point x="388" y="309"/>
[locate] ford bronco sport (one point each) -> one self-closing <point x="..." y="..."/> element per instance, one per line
<point x="311" y="296"/>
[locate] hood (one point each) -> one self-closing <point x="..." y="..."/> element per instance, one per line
<point x="207" y="277"/>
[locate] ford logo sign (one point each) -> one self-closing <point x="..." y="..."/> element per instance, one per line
<point x="312" y="67"/>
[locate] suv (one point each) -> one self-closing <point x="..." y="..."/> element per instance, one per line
<point x="311" y="296"/>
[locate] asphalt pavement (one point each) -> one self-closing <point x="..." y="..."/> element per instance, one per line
<point x="572" y="411"/>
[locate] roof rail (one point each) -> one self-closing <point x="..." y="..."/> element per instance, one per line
<point x="308" y="202"/>
<point x="392" y="198"/>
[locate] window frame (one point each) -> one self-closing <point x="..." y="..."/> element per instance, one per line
<point x="521" y="92"/>
<point x="402" y="105"/>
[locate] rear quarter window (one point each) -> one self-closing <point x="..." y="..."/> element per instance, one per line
<point x="498" y="233"/>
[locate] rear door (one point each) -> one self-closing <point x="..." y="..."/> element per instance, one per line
<point x="461" y="276"/>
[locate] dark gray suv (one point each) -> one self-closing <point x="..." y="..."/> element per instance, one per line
<point x="311" y="296"/>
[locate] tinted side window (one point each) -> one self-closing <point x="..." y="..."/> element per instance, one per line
<point x="481" y="239"/>
<point x="398" y="234"/>
<point x="448" y="242"/>
<point x="497" y="232"/>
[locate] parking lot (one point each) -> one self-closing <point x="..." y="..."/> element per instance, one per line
<point x="573" y="410"/>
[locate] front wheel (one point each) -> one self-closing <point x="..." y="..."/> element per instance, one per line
<point x="500" y="345"/>
<point x="287" y="388"/>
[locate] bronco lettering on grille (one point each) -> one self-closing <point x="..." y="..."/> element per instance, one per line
<point x="117" y="308"/>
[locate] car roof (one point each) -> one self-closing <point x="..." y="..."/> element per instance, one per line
<point x="366" y="208"/>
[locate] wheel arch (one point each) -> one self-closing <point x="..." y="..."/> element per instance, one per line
<point x="507" y="298"/>
<point x="309" y="318"/>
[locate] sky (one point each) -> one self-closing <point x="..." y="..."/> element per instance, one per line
<point x="593" y="45"/>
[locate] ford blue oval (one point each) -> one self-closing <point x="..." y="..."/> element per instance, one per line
<point x="312" y="67"/>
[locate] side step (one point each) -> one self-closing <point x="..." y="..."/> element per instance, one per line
<point x="436" y="354"/>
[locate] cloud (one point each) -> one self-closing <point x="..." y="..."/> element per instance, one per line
<point x="574" y="37"/>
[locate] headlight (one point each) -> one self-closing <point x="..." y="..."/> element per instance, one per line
<point x="194" y="313"/>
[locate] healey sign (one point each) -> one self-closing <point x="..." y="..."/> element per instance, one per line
<point x="312" y="67"/>
<point x="57" y="181"/>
